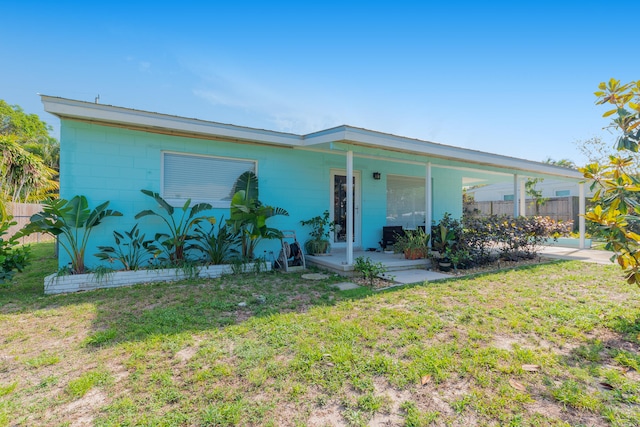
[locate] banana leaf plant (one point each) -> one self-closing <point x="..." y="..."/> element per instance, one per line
<point x="175" y="241"/>
<point x="74" y="221"/>
<point x="248" y="216"/>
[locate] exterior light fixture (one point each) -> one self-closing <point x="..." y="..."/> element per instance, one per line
<point x="376" y="175"/>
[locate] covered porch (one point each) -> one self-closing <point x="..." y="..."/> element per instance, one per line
<point x="376" y="166"/>
<point x="336" y="261"/>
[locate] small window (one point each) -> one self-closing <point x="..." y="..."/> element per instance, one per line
<point x="508" y="197"/>
<point x="201" y="178"/>
<point x="563" y="193"/>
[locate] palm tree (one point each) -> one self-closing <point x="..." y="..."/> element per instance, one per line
<point x="23" y="176"/>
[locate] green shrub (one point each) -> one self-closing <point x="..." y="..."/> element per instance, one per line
<point x="13" y="257"/>
<point x="180" y="232"/>
<point x="218" y="244"/>
<point x="369" y="269"/>
<point x="73" y="220"/>
<point x="515" y="238"/>
<point x="130" y="251"/>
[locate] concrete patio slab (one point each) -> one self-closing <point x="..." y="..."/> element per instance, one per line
<point x="315" y="276"/>
<point x="585" y="255"/>
<point x="416" y="276"/>
<point x="346" y="286"/>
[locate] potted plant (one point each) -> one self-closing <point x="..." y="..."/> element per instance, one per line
<point x="413" y="243"/>
<point x="459" y="257"/>
<point x="321" y="227"/>
<point x="443" y="243"/>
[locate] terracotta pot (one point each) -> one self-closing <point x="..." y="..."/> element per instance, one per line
<point x="413" y="253"/>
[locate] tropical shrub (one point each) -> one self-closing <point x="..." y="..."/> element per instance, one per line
<point x="73" y="221"/>
<point x="131" y="249"/>
<point x="13" y="257"/>
<point x="173" y="243"/>
<point x="249" y="216"/>
<point x="217" y="244"/>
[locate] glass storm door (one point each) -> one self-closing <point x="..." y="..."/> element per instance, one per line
<point x="339" y="208"/>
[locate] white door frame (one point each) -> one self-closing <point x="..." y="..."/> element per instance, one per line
<point x="357" y="241"/>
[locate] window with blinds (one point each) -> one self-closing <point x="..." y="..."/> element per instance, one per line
<point x="405" y="201"/>
<point x="201" y="178"/>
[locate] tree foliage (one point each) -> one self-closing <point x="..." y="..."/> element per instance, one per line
<point x="565" y="163"/>
<point x="72" y="219"/>
<point x="617" y="211"/>
<point x="29" y="156"/>
<point x="248" y="215"/>
<point x="24" y="177"/>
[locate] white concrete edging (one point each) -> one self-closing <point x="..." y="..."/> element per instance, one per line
<point x="55" y="284"/>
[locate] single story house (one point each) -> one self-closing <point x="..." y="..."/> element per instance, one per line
<point x="366" y="179"/>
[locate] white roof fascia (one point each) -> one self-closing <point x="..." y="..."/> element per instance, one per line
<point x="399" y="143"/>
<point x="72" y="109"/>
<point x="108" y="114"/>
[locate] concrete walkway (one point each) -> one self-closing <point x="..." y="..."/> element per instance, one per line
<point x="586" y="255"/>
<point x="403" y="277"/>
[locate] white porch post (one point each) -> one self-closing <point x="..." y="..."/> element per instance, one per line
<point x="349" y="207"/>
<point x="428" y="195"/>
<point x="581" y="212"/>
<point x="516" y="196"/>
<point x="523" y="198"/>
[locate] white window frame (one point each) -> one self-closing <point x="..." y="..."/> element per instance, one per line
<point x="179" y="202"/>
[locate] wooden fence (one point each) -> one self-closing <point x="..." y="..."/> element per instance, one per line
<point x="21" y="213"/>
<point x="558" y="208"/>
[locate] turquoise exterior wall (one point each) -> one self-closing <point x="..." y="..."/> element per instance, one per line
<point x="108" y="163"/>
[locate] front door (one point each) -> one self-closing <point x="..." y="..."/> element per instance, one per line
<point x="339" y="208"/>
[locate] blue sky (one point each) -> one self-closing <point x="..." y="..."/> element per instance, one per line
<point x="511" y="78"/>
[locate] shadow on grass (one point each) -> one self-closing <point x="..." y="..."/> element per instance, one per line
<point x="161" y="309"/>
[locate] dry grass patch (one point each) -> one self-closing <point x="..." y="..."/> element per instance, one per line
<point x="275" y="349"/>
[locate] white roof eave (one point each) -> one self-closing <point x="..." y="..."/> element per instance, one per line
<point x="108" y="114"/>
<point x="364" y="137"/>
<point x="163" y="123"/>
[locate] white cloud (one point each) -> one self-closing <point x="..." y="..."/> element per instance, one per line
<point x="144" y="66"/>
<point x="297" y="112"/>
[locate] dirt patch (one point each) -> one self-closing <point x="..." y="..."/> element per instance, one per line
<point x="187" y="353"/>
<point x="330" y="415"/>
<point x="80" y="413"/>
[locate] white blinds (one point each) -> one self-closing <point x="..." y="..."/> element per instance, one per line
<point x="405" y="201"/>
<point x="201" y="178"/>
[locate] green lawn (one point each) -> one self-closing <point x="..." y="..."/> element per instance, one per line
<point x="556" y="344"/>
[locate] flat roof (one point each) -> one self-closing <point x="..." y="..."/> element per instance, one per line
<point x="169" y="124"/>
